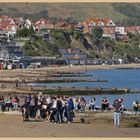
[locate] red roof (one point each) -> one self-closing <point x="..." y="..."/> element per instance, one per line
<point x="97" y="21"/>
<point x="43" y="23"/>
<point x="132" y="29"/>
<point x="18" y="20"/>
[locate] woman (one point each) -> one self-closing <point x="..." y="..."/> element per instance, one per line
<point x="82" y="104"/>
<point x="135" y="106"/>
<point x="75" y="101"/>
<point x="8" y="102"/>
<point x="15" y="102"/>
<point x="53" y="111"/>
<point x="2" y="103"/>
<point x="92" y="104"/>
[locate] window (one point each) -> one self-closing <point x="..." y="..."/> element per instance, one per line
<point x="100" y="24"/>
<point x="92" y="24"/>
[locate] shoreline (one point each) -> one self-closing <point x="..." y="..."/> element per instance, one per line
<point x="94" y="67"/>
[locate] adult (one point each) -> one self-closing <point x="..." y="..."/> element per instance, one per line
<point x="69" y="109"/>
<point x="59" y="109"/>
<point x="135" y="106"/>
<point x="2" y="103"/>
<point x="8" y="102"/>
<point x="117" y="105"/>
<point x="39" y="104"/>
<point x="105" y="104"/>
<point x="75" y="101"/>
<point x="32" y="108"/>
<point x="92" y="104"/>
<point x="52" y="117"/>
<point x="35" y="100"/>
<point x="15" y="102"/>
<point x="82" y="104"/>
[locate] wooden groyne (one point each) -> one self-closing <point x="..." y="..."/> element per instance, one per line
<point x="63" y="90"/>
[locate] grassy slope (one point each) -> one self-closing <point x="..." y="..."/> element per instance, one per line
<point x="77" y="11"/>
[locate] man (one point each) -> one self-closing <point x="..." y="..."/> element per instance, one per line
<point x="105" y="104"/>
<point x="59" y="109"/>
<point x="117" y="105"/>
<point x="69" y="109"/>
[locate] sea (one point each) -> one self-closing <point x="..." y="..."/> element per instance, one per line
<point x="117" y="78"/>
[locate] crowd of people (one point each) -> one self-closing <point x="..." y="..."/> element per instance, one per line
<point x="9" y="102"/>
<point x="59" y="109"/>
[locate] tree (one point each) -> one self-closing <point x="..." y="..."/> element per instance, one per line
<point x="24" y="32"/>
<point x="97" y="32"/>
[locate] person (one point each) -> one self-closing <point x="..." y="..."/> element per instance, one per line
<point x="117" y="105"/>
<point x="104" y="104"/>
<point x="32" y="108"/>
<point x="39" y="104"/>
<point x="52" y="118"/>
<point x="69" y="109"/>
<point x="135" y="106"/>
<point x="15" y="102"/>
<point x="25" y="112"/>
<point x="82" y="104"/>
<point x="2" y="103"/>
<point x="92" y="104"/>
<point x="8" y="102"/>
<point x="35" y="100"/>
<point x="59" y="110"/>
<point x="75" y="101"/>
<point x="27" y="99"/>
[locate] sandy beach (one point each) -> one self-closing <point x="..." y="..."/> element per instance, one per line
<point x="35" y="74"/>
<point x="12" y="126"/>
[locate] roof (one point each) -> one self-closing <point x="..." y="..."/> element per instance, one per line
<point x="60" y="24"/>
<point x="97" y="21"/>
<point x="42" y="21"/>
<point x="18" y="20"/>
<point x="132" y="29"/>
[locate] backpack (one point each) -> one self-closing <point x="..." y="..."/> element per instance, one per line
<point x="71" y="105"/>
<point x="59" y="104"/>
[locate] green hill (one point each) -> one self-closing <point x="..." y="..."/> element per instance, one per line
<point x="121" y="13"/>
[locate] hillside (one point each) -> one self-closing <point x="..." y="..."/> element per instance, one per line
<point x="120" y="13"/>
<point x="105" y="48"/>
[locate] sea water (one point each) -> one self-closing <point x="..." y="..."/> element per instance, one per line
<point x="118" y="78"/>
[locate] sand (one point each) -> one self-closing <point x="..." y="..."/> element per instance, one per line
<point x="12" y="126"/>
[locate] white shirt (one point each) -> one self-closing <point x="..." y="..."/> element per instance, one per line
<point x="54" y="104"/>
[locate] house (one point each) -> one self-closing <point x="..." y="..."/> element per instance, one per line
<point x="75" y="56"/>
<point x="10" y="52"/>
<point x="109" y="32"/>
<point x="132" y="29"/>
<point x="64" y="26"/>
<point x="42" y="24"/>
<point x="22" y="22"/>
<point x="19" y="22"/>
<point x="4" y="54"/>
<point x="7" y="25"/>
<point x="79" y="27"/>
<point x="120" y="30"/>
<point x="90" y="23"/>
<point x="120" y="33"/>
